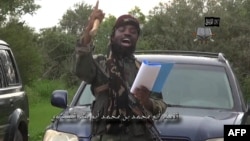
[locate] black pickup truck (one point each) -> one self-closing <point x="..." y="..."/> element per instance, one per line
<point x="14" y="108"/>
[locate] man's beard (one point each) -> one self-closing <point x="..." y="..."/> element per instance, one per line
<point x="122" y="51"/>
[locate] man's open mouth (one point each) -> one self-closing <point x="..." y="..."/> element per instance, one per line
<point x="126" y="42"/>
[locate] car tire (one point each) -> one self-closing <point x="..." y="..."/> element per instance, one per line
<point x="18" y="136"/>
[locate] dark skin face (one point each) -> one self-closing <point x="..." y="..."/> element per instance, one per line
<point x="124" y="40"/>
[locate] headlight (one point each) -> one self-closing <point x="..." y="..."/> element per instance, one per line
<point x="52" y="135"/>
<point x="216" y="139"/>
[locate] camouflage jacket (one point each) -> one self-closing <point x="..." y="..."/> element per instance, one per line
<point x="93" y="70"/>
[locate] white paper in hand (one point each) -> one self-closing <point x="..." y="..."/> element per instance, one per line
<point x="152" y="76"/>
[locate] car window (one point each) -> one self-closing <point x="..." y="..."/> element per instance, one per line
<point x="199" y="86"/>
<point x="9" y="68"/>
<point x="2" y="80"/>
<point x="86" y="97"/>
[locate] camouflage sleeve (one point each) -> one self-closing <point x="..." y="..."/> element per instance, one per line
<point x="84" y="67"/>
<point x="159" y="106"/>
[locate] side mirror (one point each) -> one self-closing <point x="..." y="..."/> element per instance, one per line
<point x="59" y="98"/>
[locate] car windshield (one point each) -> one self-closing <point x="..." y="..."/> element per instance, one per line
<point x="190" y="85"/>
<point x="86" y="97"/>
<point x="199" y="86"/>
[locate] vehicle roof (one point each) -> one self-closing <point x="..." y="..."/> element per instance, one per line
<point x="3" y="42"/>
<point x="186" y="57"/>
<point x="4" y="45"/>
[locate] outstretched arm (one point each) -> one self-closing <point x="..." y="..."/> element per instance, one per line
<point x="85" y="67"/>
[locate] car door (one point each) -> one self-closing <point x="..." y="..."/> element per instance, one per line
<point x="11" y="94"/>
<point x="6" y="109"/>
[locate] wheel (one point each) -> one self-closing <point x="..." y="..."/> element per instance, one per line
<point x="18" y="136"/>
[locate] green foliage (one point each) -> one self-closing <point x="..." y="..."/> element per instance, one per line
<point x="143" y="44"/>
<point x="33" y="96"/>
<point x="57" y="49"/>
<point x="16" y="8"/>
<point x="22" y="41"/>
<point x="136" y="12"/>
<point x="171" y="26"/>
<point x="58" y="44"/>
<point x="74" y="20"/>
<point x="41" y="90"/>
<point x="102" y="37"/>
<point x="246" y="88"/>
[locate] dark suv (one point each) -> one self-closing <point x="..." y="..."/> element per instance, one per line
<point x="14" y="108"/>
<point x="202" y="94"/>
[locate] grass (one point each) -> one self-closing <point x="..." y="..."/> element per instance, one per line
<point x="41" y="111"/>
<point x="40" y="117"/>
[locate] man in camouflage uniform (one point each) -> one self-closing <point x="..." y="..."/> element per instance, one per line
<point x="111" y="77"/>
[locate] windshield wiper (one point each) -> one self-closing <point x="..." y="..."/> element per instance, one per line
<point x="86" y="104"/>
<point x="175" y="105"/>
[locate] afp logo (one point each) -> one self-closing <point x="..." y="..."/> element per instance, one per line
<point x="238" y="132"/>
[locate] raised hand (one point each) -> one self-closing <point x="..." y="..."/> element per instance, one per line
<point x="95" y="19"/>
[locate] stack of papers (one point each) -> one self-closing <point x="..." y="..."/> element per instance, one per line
<point x="152" y="75"/>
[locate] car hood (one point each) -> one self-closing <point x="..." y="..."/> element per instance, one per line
<point x="75" y="120"/>
<point x="190" y="123"/>
<point x="195" y="124"/>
